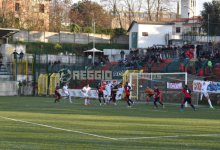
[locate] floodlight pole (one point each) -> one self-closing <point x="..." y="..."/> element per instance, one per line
<point x="94" y="44"/>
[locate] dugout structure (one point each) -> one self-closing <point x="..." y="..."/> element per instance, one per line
<point x="166" y="82"/>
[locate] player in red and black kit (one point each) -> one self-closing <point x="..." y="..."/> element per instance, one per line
<point x="157" y="97"/>
<point x="127" y="90"/>
<point x="99" y="89"/>
<point x="187" y="97"/>
<point x="57" y="94"/>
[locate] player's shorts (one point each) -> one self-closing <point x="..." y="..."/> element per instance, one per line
<point x="108" y="93"/>
<point x="66" y="93"/>
<point x="86" y="94"/>
<point x="127" y="97"/>
<point x="157" y="99"/>
<point x="205" y="94"/>
<point x="57" y="95"/>
<point x="187" y="99"/>
<point x="100" y="95"/>
<point x="150" y="95"/>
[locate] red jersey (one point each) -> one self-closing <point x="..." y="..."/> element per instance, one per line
<point x="187" y="92"/>
<point x="100" y="89"/>
<point x="127" y="89"/>
<point x="157" y="92"/>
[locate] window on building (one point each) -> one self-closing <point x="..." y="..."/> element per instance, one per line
<point x="178" y="29"/>
<point x="16" y="6"/>
<point x="144" y="33"/>
<point x="41" y="8"/>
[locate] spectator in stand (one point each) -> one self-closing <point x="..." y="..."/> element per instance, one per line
<point x="133" y="58"/>
<point x="211" y="57"/>
<point x="202" y="55"/>
<point x="58" y="63"/>
<point x="128" y="66"/>
<point x="210" y="43"/>
<point x="197" y="50"/>
<point x="152" y="58"/>
<point x="122" y="54"/>
<point x="207" y="54"/>
<point x="141" y="52"/>
<point x="106" y="59"/>
<point x="218" y="45"/>
<point x="146" y="57"/>
<point x="192" y="46"/>
<point x="95" y="63"/>
<point x="189" y="69"/>
<point x="90" y="59"/>
<point x="15" y="54"/>
<point x="178" y="50"/>
<point x="101" y="61"/>
<point x="50" y="63"/>
<point x="120" y="61"/>
<point x="183" y="55"/>
<point x="210" y="66"/>
<point x="131" y="53"/>
<point x="21" y="55"/>
<point x="136" y="51"/>
<point x="205" y="47"/>
<point x="217" y="56"/>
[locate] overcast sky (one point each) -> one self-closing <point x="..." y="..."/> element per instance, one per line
<point x="199" y="7"/>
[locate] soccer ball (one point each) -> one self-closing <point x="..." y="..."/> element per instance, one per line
<point x="140" y="86"/>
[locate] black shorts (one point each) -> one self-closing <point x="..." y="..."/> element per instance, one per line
<point x="57" y="94"/>
<point x="187" y="99"/>
<point x="100" y="95"/>
<point x="157" y="99"/>
<point x="150" y="95"/>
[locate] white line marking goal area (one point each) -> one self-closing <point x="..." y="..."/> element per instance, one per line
<point x="136" y="138"/>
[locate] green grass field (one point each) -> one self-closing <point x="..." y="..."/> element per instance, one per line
<point x="38" y="123"/>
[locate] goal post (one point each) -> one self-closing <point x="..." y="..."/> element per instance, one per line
<point x="171" y="83"/>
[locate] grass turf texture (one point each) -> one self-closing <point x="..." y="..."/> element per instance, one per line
<point x="109" y="121"/>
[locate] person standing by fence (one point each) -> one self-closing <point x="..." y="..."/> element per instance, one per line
<point x="210" y="66"/>
<point x="122" y="54"/>
<point x="131" y="53"/>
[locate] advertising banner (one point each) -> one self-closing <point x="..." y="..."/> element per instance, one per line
<point x="174" y="85"/>
<point x="79" y="93"/>
<point x="197" y="87"/>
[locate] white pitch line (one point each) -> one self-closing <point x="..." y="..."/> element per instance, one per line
<point x="58" y="128"/>
<point x="153" y="137"/>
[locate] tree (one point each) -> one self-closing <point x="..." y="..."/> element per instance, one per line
<point x="85" y="13"/>
<point x="213" y="10"/>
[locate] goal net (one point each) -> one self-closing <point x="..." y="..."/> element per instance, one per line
<point x="168" y="83"/>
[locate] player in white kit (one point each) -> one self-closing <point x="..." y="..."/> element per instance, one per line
<point x="87" y="92"/>
<point x="204" y="86"/>
<point x="108" y="92"/>
<point x="66" y="93"/>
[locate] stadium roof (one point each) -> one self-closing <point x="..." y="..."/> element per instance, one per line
<point x="7" y="32"/>
<point x="150" y="22"/>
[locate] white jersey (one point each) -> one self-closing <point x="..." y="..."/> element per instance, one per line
<point x="65" y="89"/>
<point x="108" y="87"/>
<point x="121" y="90"/>
<point x="204" y="85"/>
<point x="86" y="90"/>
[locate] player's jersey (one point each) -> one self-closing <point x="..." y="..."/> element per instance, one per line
<point x="86" y="90"/>
<point x="99" y="88"/>
<point x="108" y="87"/>
<point x="127" y="89"/>
<point x="115" y="88"/>
<point x="150" y="91"/>
<point x="157" y="92"/>
<point x="57" y="89"/>
<point x="187" y="93"/>
<point x="121" y="90"/>
<point x="65" y="88"/>
<point x="204" y="85"/>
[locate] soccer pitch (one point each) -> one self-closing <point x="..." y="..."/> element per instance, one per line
<point x="39" y="123"/>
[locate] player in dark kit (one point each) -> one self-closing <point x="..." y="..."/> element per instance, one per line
<point x="114" y="92"/>
<point x="57" y="94"/>
<point x="99" y="89"/>
<point x="187" y="97"/>
<point x="157" y="97"/>
<point x="127" y="90"/>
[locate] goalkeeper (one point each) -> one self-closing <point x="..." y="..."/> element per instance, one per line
<point x="150" y="93"/>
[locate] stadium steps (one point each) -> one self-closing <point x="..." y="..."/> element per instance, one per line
<point x="4" y="74"/>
